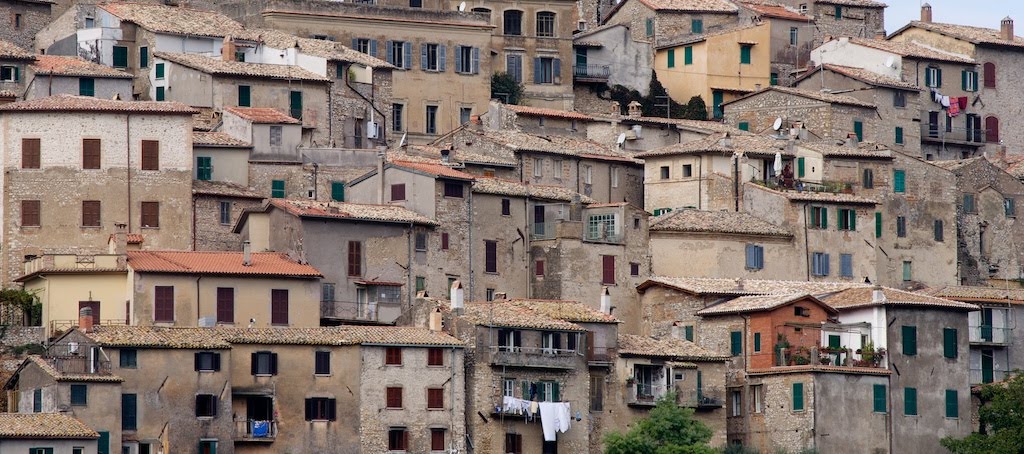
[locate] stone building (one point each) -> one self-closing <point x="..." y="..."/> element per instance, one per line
<point x="654" y="21"/>
<point x="26" y="18"/>
<point x="14" y="63"/>
<point x="600" y="49"/>
<point x="537" y="120"/>
<point x="46" y="431"/>
<point x="648" y="133"/>
<point x="217" y="206"/>
<point x="54" y="75"/>
<point x="823" y="115"/>
<point x="148" y="188"/>
<point x="792" y="37"/>
<point x="858" y="18"/>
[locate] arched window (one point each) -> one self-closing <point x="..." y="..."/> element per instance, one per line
<point x="992" y="129"/>
<point x="990" y="75"/>
<point x="545" y="24"/>
<point x="513" y="24"/>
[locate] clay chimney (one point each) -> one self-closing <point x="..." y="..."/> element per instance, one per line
<point x="228" y="52"/>
<point x="877" y="295"/>
<point x="926" y="13"/>
<point x="246" y="253"/>
<point x="436" y="320"/>
<point x="85" y="319"/>
<point x="119" y="245"/>
<point x="457" y="297"/>
<point x="606" y="301"/>
<point x="1006" y="29"/>
<point x="635" y="110"/>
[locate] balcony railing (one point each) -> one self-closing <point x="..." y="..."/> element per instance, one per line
<point x="600" y="355"/>
<point x="704" y="398"/>
<point x="603" y="237"/>
<point x="373" y="311"/>
<point x="80" y="365"/>
<point x="644" y="394"/>
<point x="543" y="231"/>
<point x="804" y="356"/>
<point x="591" y="72"/>
<point x="58" y="327"/>
<point x="255" y="430"/>
<point x="986" y="334"/>
<point x="936" y="132"/>
<point x="982" y="376"/>
<point x="546" y="358"/>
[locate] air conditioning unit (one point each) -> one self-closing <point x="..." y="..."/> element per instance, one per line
<point x="637" y="130"/>
<point x="372" y="131"/>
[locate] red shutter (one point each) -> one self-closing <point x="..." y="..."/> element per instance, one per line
<point x="444" y="241"/>
<point x="279" y="307"/>
<point x="435" y="398"/>
<point x="990" y="75"/>
<point x="394" y="397"/>
<point x="992" y="129"/>
<point x="90" y="153"/>
<point x="90" y="213"/>
<point x="435" y="357"/>
<point x="150" y="155"/>
<point x="151" y="214"/>
<point x="164" y="304"/>
<point x="30" y="213"/>
<point x="607" y="269"/>
<point x="393" y="356"/>
<point x="225" y="305"/>
<point x="355" y="258"/>
<point x="539" y="268"/>
<point x="491" y="256"/>
<point x="437" y="440"/>
<point x="30" y="153"/>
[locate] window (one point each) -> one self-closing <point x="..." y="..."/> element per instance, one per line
<point x="687" y="170"/>
<point x="465" y="115"/>
<point x="17" y="21"/>
<point x="757" y="342"/>
<point x="514" y="443"/>
<point x="952" y="405"/>
<point x="160" y="71"/>
<point x="431" y="120"/>
<point x="773" y="79"/>
<point x="736" y="399"/>
<point x="160" y="93"/>
<point x="444" y="241"/>
<point x="743" y="126"/>
<point x="435" y="398"/>
<point x="91" y="153"/>
<point x="798" y="396"/>
<point x="649" y="26"/>
<point x="901" y="226"/>
<point x="794" y="35"/>
<point x="204" y="168"/>
<point x="453" y="189"/>
<point x="1010" y="207"/>
<point x="279" y="306"/>
<point x="868" y="179"/>
<point x="949" y="348"/>
<point x="847" y="219"/>
<point x="671" y="58"/>
<point x="969" y="203"/>
<point x="846" y="265"/>
<point x="490" y="256"/>
<point x="128" y="358"/>
<point x="879" y="399"/>
<point x="79" y="395"/>
<point x="150" y="155"/>
<point x="899" y="98"/>
<point x="86" y="86"/>
<point x="435" y="356"/>
<point x="393" y="356"/>
<point x="758" y="392"/>
<point x="538" y="268"/>
<point x="819" y="264"/>
<point x="30" y="213"/>
<point x="30" y="151"/>
<point x="839" y="13"/>
<point x="909" y="340"/>
<point x="546" y="70"/>
<point x="163" y="303"/>
<point x="150" y="215"/>
<point x="506" y="207"/>
<point x="355" y="258"/>
<point x="991" y="129"/>
<point x="736" y="343"/>
<point x="263" y="363"/>
<point x="295" y="104"/>
<point x="634" y="269"/>
<point x="938" y="230"/>
<point x="399" y="54"/>
<point x="37" y="400"/>
<point x="513" y="23"/>
<point x="907" y="271"/>
<point x="933" y="77"/>
<point x="90" y="213"/>
<point x="696" y="26"/>
<point x="688" y="332"/>
<point x="206" y="405"/>
<point x="277" y="189"/>
<point x="207" y="361"/>
<point x="745" y="54"/>
<point x="899" y="181"/>
<point x="969" y="80"/>
<point x="858" y="129"/>
<point x="801" y="167"/>
<point x="878" y="224"/>
<point x="755" y="257"/>
<point x="244" y="96"/>
<point x="588" y="174"/>
<point x="129" y="412"/>
<point x="321" y="409"/>
<point x="688" y="55"/>
<point x="990" y="75"/>
<point x="225" y="304"/>
<point x="432" y="57"/>
<point x="819" y="217"/>
<point x="205" y="447"/>
<point x="509" y="340"/>
<point x="545" y="24"/>
<point x="120" y="57"/>
<point x="415" y="3"/>
<point x="514" y="66"/>
<point x="899" y="135"/>
<point x="608" y="269"/>
<point x="398" y="439"/>
<point x="393" y="397"/>
<point x="421" y="241"/>
<point x="664" y="172"/>
<point x="397" y="118"/>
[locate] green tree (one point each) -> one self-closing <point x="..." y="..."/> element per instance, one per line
<point x="668" y="429"/>
<point x="653" y="105"/>
<point x="1002" y="421"/>
<point x="16" y="303"/>
<point x="505" y="88"/>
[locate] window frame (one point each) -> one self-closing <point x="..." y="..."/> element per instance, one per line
<point x="206" y="406"/>
<point x="79" y="395"/>
<point x="546" y="24"/>
<point x="392" y="356"/>
<point x="512" y="22"/>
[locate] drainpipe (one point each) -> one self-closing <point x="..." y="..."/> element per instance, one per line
<point x="408" y="264"/>
<point x="807" y="253"/>
<point x="528" y="252"/>
<point x="199" y="307"/>
<point x="316" y="189"/>
<point x="193" y="222"/>
<point x="470" y="244"/>
<point x="736" y="180"/>
<point x="128" y="153"/>
<point x="700" y="178"/>
<point x="451" y="408"/>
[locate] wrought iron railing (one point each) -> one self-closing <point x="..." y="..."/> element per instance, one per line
<point x="988" y="334"/>
<point x="639" y="393"/>
<point x="534" y="357"/>
<point x="591" y="71"/>
<point x="255" y="430"/>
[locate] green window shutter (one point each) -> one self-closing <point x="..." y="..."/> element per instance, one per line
<point x="103" y="444"/>
<point x="421" y="283"/>
<point x="688" y="332"/>
<point x="800" y="169"/>
<point x="878" y="398"/>
<point x="244" y="96"/>
<point x="697" y="26"/>
<point x="909" y="340"/>
<point x="159" y="70"/>
<point x="744" y="126"/>
<point x="277" y="189"/>
<point x="963" y="80"/>
<point x="86" y="86"/>
<point x="120" y="57"/>
<point x="143" y="57"/>
<point x="774" y="79"/>
<point x="824" y="217"/>
<point x="927" y="77"/>
<point x="798" y="396"/>
<point x="834" y="341"/>
<point x="160" y="93"/>
<point x="204" y="168"/>
<point x="899" y="183"/>
<point x="878" y="224"/>
<point x="745" y="54"/>
<point x="757" y="342"/>
<point x="949" y="342"/>
<point x="909" y="401"/>
<point x="839" y="12"/>
<point x="899" y="135"/>
<point x="526" y="390"/>
<point x="671" y="58"/>
<point x="688" y="55"/>
<point x="938" y="77"/>
<point x="128" y="412"/>
<point x="555" y="397"/>
<point x="736" y="342"/>
<point x="858" y="129"/>
<point x="952" y="406"/>
<point x="295" y="104"/>
<point x="650" y="27"/>
<point x="338" y="191"/>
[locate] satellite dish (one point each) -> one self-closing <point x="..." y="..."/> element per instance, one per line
<point x="462" y="6"/>
<point x="778" y="124"/>
<point x="621" y="139"/>
<point x="890" y="62"/>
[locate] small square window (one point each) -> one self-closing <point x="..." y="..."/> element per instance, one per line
<point x="393" y="356"/>
<point x="206" y="405"/>
<point x="435" y="356"/>
<point x="393" y="396"/>
<point x="634" y="269"/>
<point x="79" y="395"/>
<point x="128" y="358"/>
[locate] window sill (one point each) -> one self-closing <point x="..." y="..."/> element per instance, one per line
<point x="208" y="371"/>
<point x="392" y="365"/>
<point x="205" y="418"/>
<point x="92" y="227"/>
<point x="394" y="408"/>
<point x="150" y="228"/>
<point x="263" y="375"/>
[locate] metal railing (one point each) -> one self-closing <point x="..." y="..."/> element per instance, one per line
<point x="600" y="354"/>
<point x="255" y="430"/>
<point x="603" y="237"/>
<point x="373" y="311"/>
<point x="936" y="132"/>
<point x="591" y="71"/>
<point x="982" y="376"/>
<point x="987" y="334"/>
<point x="706" y="397"/>
<point x="60" y="326"/>
<point x="543" y="231"/>
<point x="644" y="394"/>
<point x="552" y="358"/>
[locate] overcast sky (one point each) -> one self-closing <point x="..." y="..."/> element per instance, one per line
<point x="981" y="13"/>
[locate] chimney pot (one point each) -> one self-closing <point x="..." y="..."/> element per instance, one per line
<point x="877" y="295"/>
<point x="85" y="319"/>
<point x="246" y="253"/>
<point x="457" y="297"/>
<point x="926" y="13"/>
<point x="1006" y="29"/>
<point x="436" y="320"/>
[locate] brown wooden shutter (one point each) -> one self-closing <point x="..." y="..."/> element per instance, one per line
<point x="279" y="307"/>
<point x="491" y="256"/>
<point x="539" y="271"/>
<point x="90" y="213"/>
<point x="397" y="192"/>
<point x="394" y="397"/>
<point x="91" y="153"/>
<point x="164" y="304"/>
<point x="607" y="269"/>
<point x="30" y="213"/>
<point x="435" y="398"/>
<point x="151" y="214"/>
<point x="150" y="155"/>
<point x="30" y="149"/>
<point x="225" y="305"/>
<point x="437" y="440"/>
<point x="990" y="75"/>
<point x="444" y="241"/>
<point x="355" y="258"/>
<point x="435" y="357"/>
<point x="992" y="129"/>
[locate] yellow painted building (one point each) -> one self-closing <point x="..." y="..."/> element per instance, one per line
<point x="718" y="67"/>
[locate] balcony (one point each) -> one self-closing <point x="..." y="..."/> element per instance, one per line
<point x="707" y="398"/>
<point x="600" y="356"/>
<point x="254" y="430"/>
<point x="989" y="335"/>
<point x="815" y="356"/>
<point x="543" y="231"/>
<point x="644" y="394"/>
<point x="591" y="73"/>
<point x="543" y="358"/>
<point x="984" y="376"/>
<point x="604" y="237"/>
<point x="366" y="312"/>
<point x="937" y="133"/>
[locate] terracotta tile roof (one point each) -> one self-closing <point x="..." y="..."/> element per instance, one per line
<point x="820" y="197"/>
<point x="263" y="115"/>
<point x="757" y="303"/>
<point x="860" y="3"/>
<point x="15" y="426"/>
<point x="912" y="50"/>
<point x="49" y="369"/>
<point x="505" y="314"/>
<point x="8" y="94"/>
<point x="682" y="40"/>
<point x="519" y="141"/>
<point x="777" y="11"/>
<point x="751" y="145"/>
<point x="839" y="149"/>
<point x="436" y="170"/>
<point x="220" y="67"/>
<point x="391" y="15"/>
<point x="130" y="238"/>
<point x="224" y="189"/>
<point x="219" y="139"/>
<point x="954" y="165"/>
<point x="158" y="337"/>
<point x="669" y="347"/>
<point x="11" y="51"/>
<point x="980" y="294"/>
<point x="432" y="154"/>
<point x="270" y="264"/>
<point x="544" y="112"/>
<point x="707" y="126"/>
<point x="570" y="311"/>
<point x="700" y="221"/>
<point x="977" y="35"/>
<point x="737" y="287"/>
<point x="69" y="103"/>
<point x="59" y="65"/>
<point x="332" y="51"/>
<point x="339" y="335"/>
<point x="498" y="186"/>
<point x="812" y="369"/>
<point x="175" y="20"/>
<point x="863" y="297"/>
<point x="352" y="211"/>
<point x="868" y="77"/>
<point x="811" y="94"/>
<point x="701" y="6"/>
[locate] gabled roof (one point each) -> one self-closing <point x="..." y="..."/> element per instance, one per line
<point x="704" y="126"/>
<point x="340" y="335"/>
<point x="498" y="186"/>
<point x="669" y="347"/>
<point x="819" y="197"/>
<point x="174" y="20"/>
<point x="737" y="287"/>
<point x="220" y="67"/>
<point x="570" y="311"/>
<point x="435" y="170"/>
<point x="52" y="426"/>
<point x="864" y="297"/>
<point x="691" y="39"/>
<point x="976" y="35"/>
<point x="979" y="294"/>
<point x="545" y="112"/>
<point x="262" y="264"/>
<point x="777" y="11"/>
<point x="507" y="314"/>
<point x="840" y="149"/>
<point x="59" y="65"/>
<point x="863" y="75"/>
<point x="349" y="211"/>
<point x="11" y="51"/>
<point x="729" y="222"/>
<point x="751" y="145"/>
<point x="223" y="189"/>
<point x="332" y="51"/>
<point x="859" y="3"/>
<point x="69" y="103"/>
<point x="912" y="50"/>
<point x="519" y="141"/>
<point x="760" y="303"/>
<point x="49" y="369"/>
<point x="694" y="6"/>
<point x="217" y="139"/>
<point x="262" y="115"/>
<point x="809" y="94"/>
<point x="122" y="336"/>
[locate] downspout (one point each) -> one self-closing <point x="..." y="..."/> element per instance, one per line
<point x="330" y="114"/>
<point x="451" y="408"/>
<point x="408" y="265"/>
<point x="316" y="188"/>
<point x="577" y="175"/>
<point x="700" y="177"/>
<point x="807" y="253"/>
<point x="128" y="136"/>
<point x="528" y="252"/>
<point x="199" y="307"/>
<point x="193" y="222"/>
<point x="470" y="244"/>
<point x="736" y="181"/>
<point x="369" y="101"/>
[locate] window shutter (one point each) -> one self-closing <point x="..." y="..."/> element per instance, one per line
<point x="355" y="43"/>
<point x="757" y="342"/>
<point x="992" y="129"/>
<point x="17" y="74"/>
<point x="254" y="368"/>
<point x="556" y="70"/>
<point x="800" y="169"/>
<point x="460" y="65"/>
<point x="853" y="220"/>
<point x="273" y="364"/>
<point x="909" y="401"/>
<point x="825" y="261"/>
<point x="878" y="398"/>
<point x="423" y="57"/>
<point x="608" y="269"/>
<point x="309" y="409"/>
<point x="798" y="396"/>
<point x="338" y="191"/>
<point x="963" y="79"/>
<point x="216" y="361"/>
<point x="91" y="153"/>
<point x="279" y="306"/>
<point x="760" y="257"/>
<point x="442" y="57"/>
<point x="526" y="390"/>
<point x="750" y="256"/>
<point x="150" y="214"/>
<point x="475" y="69"/>
<point x="671" y="58"/>
<point x="824" y="217"/>
<point x="990" y="75"/>
<point x="909" y="340"/>
<point x="373" y="47"/>
<point x="332" y="409"/>
<point x="949" y="342"/>
<point x="390" y="51"/>
<point x="938" y="77"/>
<point x="30" y="213"/>
<point x="878" y="224"/>
<point x="537" y="71"/>
<point x="407" y="51"/>
<point x="517" y="338"/>
<point x="196" y="355"/>
<point x="30" y="151"/>
<point x="952" y="406"/>
<point x="555" y="394"/>
<point x="736" y="343"/>
<point x="150" y="155"/>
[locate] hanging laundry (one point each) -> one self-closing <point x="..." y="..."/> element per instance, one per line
<point x="954" y="109"/>
<point x="945" y="101"/>
<point x="563" y="416"/>
<point x="549" y="419"/>
<point x="260" y="429"/>
<point x="963" y="103"/>
<point x="936" y="95"/>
